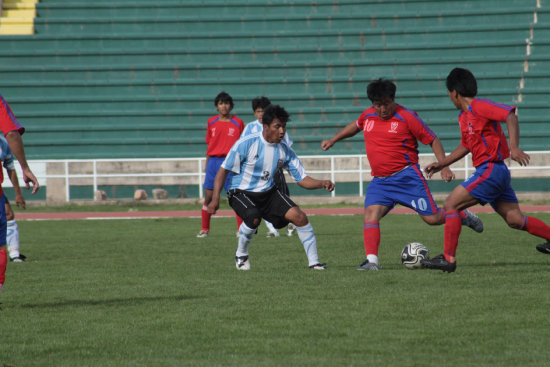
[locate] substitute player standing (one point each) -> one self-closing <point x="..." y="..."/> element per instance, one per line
<point x="254" y="160"/>
<point x="222" y="132"/>
<point x="391" y="136"/>
<point x="481" y="134"/>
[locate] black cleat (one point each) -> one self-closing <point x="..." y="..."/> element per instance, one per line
<point x="318" y="266"/>
<point x="439" y="263"/>
<point x="18" y="259"/>
<point x="544" y="247"/>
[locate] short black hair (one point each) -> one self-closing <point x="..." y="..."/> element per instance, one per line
<point x="462" y="81"/>
<point x="274" y="111"/>
<point x="223" y="97"/>
<point x="381" y="89"/>
<point x="260" y="102"/>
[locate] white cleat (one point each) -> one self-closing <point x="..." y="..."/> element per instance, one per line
<point x="242" y="263"/>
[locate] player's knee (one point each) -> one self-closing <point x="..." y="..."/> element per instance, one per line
<point x="514" y="223"/>
<point x="10" y="215"/>
<point x="252" y="218"/>
<point x="300" y="219"/>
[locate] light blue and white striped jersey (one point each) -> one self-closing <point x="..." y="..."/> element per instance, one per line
<point x="254" y="161"/>
<point x="257" y="126"/>
<point x="5" y="154"/>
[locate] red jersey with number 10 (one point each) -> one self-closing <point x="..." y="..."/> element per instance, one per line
<point x="392" y="144"/>
<point x="481" y="131"/>
<point x="221" y="135"/>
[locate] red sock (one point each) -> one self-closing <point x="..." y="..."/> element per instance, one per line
<point x="3" y="264"/>
<point x="453" y="227"/>
<point x="536" y="227"/>
<point x="371" y="237"/>
<point x="239" y="221"/>
<point x="205" y="219"/>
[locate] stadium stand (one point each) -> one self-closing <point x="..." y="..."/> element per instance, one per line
<point x="124" y="79"/>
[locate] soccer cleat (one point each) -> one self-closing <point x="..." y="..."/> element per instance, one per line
<point x="272" y="234"/>
<point x="471" y="220"/>
<point x="318" y="266"/>
<point x="439" y="263"/>
<point x="242" y="263"/>
<point x="291" y="228"/>
<point x="202" y="234"/>
<point x="544" y="247"/>
<point x="18" y="259"/>
<point x="366" y="265"/>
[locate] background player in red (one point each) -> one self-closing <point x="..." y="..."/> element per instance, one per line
<point x="12" y="131"/>
<point x="391" y="136"/>
<point x="223" y="131"/>
<point x="482" y="135"/>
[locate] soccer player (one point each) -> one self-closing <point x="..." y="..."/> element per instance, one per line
<point x="12" y="237"/>
<point x="481" y="134"/>
<point x="223" y="131"/>
<point x="12" y="131"/>
<point x="258" y="106"/>
<point x="391" y="136"/>
<point x="253" y="195"/>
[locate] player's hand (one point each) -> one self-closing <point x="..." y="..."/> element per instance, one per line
<point x="213" y="206"/>
<point x="328" y="185"/>
<point x="432" y="168"/>
<point x="29" y="177"/>
<point x="447" y="175"/>
<point x="520" y="156"/>
<point x="326" y="144"/>
<point x="20" y="201"/>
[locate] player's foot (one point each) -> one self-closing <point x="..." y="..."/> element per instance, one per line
<point x="291" y="228"/>
<point x="366" y="265"/>
<point x="242" y="263"/>
<point x="318" y="266"/>
<point x="544" y="247"/>
<point x="471" y="220"/>
<point x="439" y="263"/>
<point x="18" y="259"/>
<point x="202" y="234"/>
<point x="272" y="234"/>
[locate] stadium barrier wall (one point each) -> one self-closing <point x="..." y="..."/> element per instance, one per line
<point x="59" y="178"/>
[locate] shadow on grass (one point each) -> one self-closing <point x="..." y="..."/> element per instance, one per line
<point x="116" y="301"/>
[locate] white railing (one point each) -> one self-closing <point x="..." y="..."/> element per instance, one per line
<point x="359" y="173"/>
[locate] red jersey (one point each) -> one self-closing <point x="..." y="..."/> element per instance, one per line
<point x="392" y="144"/>
<point x="7" y="123"/>
<point x="481" y="131"/>
<point x="221" y="135"/>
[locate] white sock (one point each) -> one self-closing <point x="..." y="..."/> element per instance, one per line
<point x="12" y="238"/>
<point x="373" y="259"/>
<point x="245" y="236"/>
<point x="309" y="242"/>
<point x="270" y="226"/>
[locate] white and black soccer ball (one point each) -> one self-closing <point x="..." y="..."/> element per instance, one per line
<point x="412" y="254"/>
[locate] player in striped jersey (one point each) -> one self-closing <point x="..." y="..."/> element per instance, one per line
<point x="481" y="134"/>
<point x="253" y="194"/>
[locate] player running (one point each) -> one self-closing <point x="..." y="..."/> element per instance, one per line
<point x="391" y="136"/>
<point x="253" y="195"/>
<point x="479" y="121"/>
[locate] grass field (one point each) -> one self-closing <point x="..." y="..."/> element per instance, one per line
<point x="148" y="293"/>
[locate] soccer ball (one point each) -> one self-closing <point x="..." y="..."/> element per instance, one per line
<point x="412" y="254"/>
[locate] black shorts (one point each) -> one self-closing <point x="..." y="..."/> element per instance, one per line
<point x="280" y="182"/>
<point x="271" y="205"/>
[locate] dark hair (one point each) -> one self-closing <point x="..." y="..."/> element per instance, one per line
<point x="274" y="111"/>
<point x="223" y="97"/>
<point x="260" y="102"/>
<point x="381" y="89"/>
<point x="462" y="81"/>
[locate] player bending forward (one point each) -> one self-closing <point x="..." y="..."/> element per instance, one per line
<point x="253" y="195"/>
<point x="391" y="136"/>
<point x="481" y="133"/>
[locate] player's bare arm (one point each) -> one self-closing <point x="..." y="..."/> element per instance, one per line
<point x="16" y="145"/>
<point x="456" y="155"/>
<point x="218" y="185"/>
<point x="19" y="199"/>
<point x="350" y="130"/>
<point x="446" y="173"/>
<point x="312" y="183"/>
<point x="516" y="153"/>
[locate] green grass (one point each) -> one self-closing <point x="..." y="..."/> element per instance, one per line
<point x="148" y="293"/>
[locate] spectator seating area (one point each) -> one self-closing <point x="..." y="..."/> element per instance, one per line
<point x="125" y="79"/>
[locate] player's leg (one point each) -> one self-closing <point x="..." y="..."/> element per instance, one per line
<point x="272" y="231"/>
<point x="244" y="204"/>
<point x="371" y="235"/>
<point x="205" y="216"/>
<point x="12" y="236"/>
<point x="305" y="232"/>
<point x="3" y="250"/>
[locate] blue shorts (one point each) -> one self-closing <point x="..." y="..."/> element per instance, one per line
<point x="491" y="182"/>
<point x="407" y="187"/>
<point x="212" y="168"/>
<point x="3" y="221"/>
